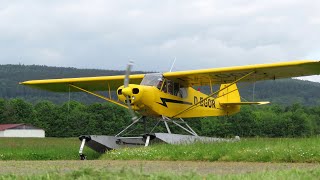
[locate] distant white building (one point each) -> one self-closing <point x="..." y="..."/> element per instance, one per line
<point x="20" y="130"/>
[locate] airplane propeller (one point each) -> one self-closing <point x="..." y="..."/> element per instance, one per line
<point x="127" y="91"/>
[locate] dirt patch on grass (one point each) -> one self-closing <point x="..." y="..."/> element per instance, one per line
<point x="42" y="167"/>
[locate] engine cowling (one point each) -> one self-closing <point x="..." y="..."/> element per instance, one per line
<point x="133" y="91"/>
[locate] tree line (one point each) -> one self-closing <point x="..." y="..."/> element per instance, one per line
<point x="73" y="118"/>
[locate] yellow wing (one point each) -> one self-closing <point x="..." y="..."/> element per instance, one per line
<point x="101" y="83"/>
<point x="230" y="74"/>
<point x="187" y="78"/>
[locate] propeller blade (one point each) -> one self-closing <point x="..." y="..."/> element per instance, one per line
<point x="133" y="115"/>
<point x="127" y="79"/>
<point x="126" y="84"/>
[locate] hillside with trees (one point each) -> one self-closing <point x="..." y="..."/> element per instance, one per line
<point x="11" y="75"/>
<point x="284" y="91"/>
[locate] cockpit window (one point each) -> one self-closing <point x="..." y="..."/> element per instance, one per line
<point x="165" y="85"/>
<point x="152" y="79"/>
<point x="171" y="87"/>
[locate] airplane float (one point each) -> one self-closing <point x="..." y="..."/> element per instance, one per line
<point x="170" y="97"/>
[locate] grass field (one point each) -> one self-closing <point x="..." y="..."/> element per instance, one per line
<point x="132" y="174"/>
<point x="42" y="149"/>
<point x="248" y="150"/>
<point x="183" y="161"/>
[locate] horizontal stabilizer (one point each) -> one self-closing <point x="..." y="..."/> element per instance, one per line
<point x="243" y="103"/>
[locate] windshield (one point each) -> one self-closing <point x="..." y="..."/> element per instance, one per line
<point x="151" y="79"/>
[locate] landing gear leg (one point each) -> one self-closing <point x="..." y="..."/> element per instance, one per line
<point x="82" y="156"/>
<point x="147" y="141"/>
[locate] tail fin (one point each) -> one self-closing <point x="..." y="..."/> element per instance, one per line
<point x="229" y="94"/>
<point x="229" y="99"/>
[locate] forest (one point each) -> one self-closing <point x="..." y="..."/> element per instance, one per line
<point x="294" y="110"/>
<point x="73" y="118"/>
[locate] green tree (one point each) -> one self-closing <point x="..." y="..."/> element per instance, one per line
<point x="18" y="111"/>
<point x="46" y="113"/>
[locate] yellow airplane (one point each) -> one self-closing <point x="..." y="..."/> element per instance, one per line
<point x="171" y="95"/>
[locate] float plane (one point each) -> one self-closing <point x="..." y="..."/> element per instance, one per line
<point x="171" y="96"/>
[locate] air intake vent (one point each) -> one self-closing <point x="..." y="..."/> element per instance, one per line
<point x="119" y="91"/>
<point x="135" y="91"/>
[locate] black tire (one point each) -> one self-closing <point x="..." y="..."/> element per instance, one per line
<point x="83" y="157"/>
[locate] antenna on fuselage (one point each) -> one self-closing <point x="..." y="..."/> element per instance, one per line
<point x="173" y="63"/>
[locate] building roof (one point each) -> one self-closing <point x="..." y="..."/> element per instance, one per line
<point x="8" y="126"/>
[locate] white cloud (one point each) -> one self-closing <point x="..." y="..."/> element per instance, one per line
<point x="201" y="34"/>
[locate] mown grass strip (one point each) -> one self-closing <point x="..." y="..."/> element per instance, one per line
<point x="42" y="149"/>
<point x="131" y="174"/>
<point x="250" y="150"/>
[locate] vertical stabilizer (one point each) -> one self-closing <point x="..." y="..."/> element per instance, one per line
<point x="229" y="93"/>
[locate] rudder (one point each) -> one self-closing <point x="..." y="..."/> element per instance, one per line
<point x="229" y="93"/>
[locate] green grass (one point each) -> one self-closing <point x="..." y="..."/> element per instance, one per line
<point x="131" y="174"/>
<point x="250" y="150"/>
<point x="42" y="149"/>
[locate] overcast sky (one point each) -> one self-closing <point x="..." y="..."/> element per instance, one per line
<point x="198" y="33"/>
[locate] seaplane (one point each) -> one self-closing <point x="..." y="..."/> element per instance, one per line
<point x="171" y="97"/>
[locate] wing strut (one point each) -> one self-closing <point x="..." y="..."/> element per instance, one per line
<point x="99" y="96"/>
<point x="216" y="92"/>
<point x="69" y="95"/>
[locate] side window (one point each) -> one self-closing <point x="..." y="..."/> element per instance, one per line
<point x="176" y="88"/>
<point x="170" y="87"/>
<point x="159" y="85"/>
<point x="182" y="93"/>
<point x="162" y="85"/>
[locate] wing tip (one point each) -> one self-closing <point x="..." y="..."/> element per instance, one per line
<point x="25" y="83"/>
<point x="264" y="102"/>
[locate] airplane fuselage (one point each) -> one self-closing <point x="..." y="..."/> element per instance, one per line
<point x="152" y="101"/>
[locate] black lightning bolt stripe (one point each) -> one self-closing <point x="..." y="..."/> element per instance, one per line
<point x="165" y="100"/>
